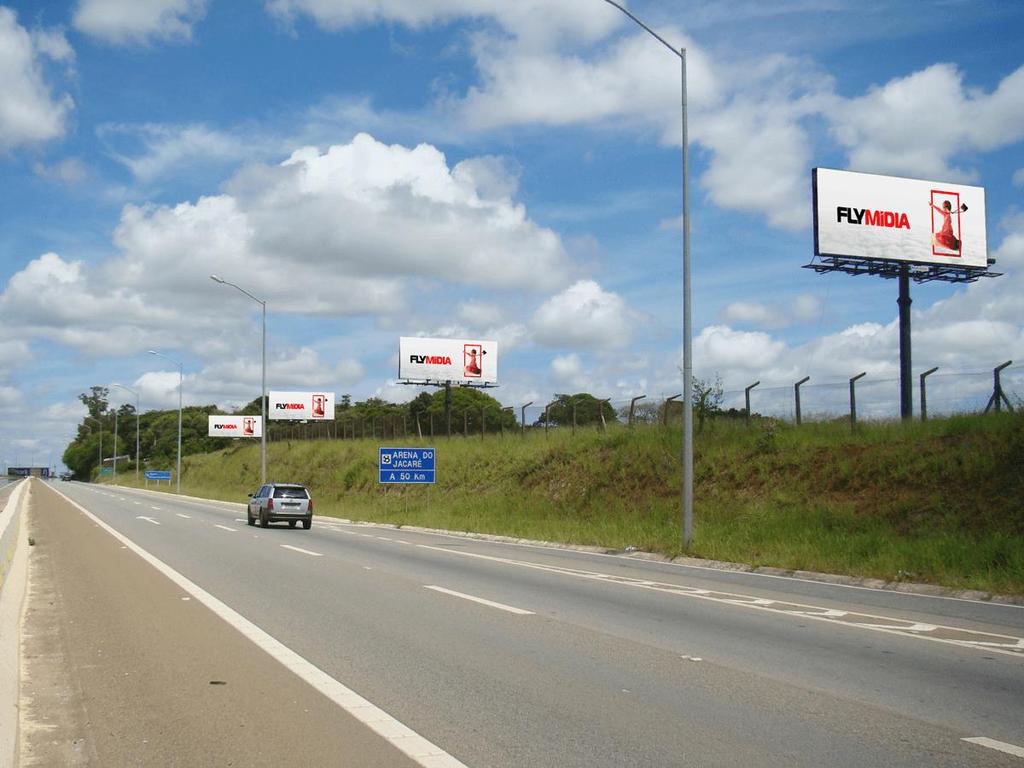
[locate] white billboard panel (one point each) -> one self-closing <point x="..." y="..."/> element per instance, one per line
<point x="236" y="426"/>
<point x="455" y="360"/>
<point x="313" y="406"/>
<point x="868" y="216"/>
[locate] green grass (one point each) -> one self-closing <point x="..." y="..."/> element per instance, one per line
<point x="941" y="502"/>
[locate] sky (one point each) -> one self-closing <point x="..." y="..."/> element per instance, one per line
<point x="479" y="169"/>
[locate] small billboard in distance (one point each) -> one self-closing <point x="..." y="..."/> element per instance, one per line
<point x="236" y="426"/>
<point x="302" y="406"/>
<point x="455" y="360"/>
<point x="864" y="215"/>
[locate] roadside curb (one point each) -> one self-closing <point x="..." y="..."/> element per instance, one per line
<point x="13" y="588"/>
<point x="905" y="587"/>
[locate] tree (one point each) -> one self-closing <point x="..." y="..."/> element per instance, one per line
<point x="588" y="410"/>
<point x="96" y="401"/>
<point x="707" y="399"/>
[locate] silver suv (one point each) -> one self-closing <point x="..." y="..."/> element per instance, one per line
<point x="280" y="501"/>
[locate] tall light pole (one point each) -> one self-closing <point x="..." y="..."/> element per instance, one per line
<point x="687" y="304"/>
<point x="115" y="445"/>
<point x="99" y="469"/>
<point x="129" y="389"/>
<point x="263" y="385"/>
<point x="181" y="369"/>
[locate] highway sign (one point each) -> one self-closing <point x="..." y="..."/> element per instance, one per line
<point x="406" y="465"/>
<point x="158" y="474"/>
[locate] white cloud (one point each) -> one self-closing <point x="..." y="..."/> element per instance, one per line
<point x="915" y="125"/>
<point x="1018" y="177"/>
<point x="29" y="112"/>
<point x="138" y="21"/>
<point x="583" y="315"/>
<point x="804" y="308"/>
<point x="343" y="232"/>
<point x="68" y="171"/>
<point x="568" y="370"/>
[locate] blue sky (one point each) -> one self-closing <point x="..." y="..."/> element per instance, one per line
<point x="378" y="168"/>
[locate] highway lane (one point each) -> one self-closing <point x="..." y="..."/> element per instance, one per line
<point x="603" y="669"/>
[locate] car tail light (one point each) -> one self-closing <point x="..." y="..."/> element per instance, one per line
<point x="310" y="510"/>
<point x="270" y="503"/>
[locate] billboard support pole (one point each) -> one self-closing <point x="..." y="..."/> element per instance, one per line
<point x="906" y="374"/>
<point x="448" y="406"/>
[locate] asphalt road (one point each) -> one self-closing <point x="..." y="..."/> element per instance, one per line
<point x="510" y="655"/>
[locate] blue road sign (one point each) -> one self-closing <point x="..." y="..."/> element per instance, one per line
<point x="406" y="465"/>
<point x="158" y="474"/>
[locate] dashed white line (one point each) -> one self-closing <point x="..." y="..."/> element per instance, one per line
<point x="187" y="517"/>
<point x="1002" y="746"/>
<point x="241" y="520"/>
<point x="303" y="551"/>
<point x="147" y="519"/>
<point x="482" y="601"/>
<point x="223" y="527"/>
<point x="156" y="508"/>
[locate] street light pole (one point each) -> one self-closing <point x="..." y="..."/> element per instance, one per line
<point x="115" y="445"/>
<point x="128" y="389"/>
<point x="263" y="384"/>
<point x="181" y="370"/>
<point x="687" y="490"/>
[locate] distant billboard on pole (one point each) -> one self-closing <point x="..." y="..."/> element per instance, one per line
<point x="236" y="426"/>
<point x="464" y="361"/>
<point x="302" y="406"/>
<point x="868" y="216"/>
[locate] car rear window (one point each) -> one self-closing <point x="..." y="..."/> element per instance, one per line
<point x="290" y="493"/>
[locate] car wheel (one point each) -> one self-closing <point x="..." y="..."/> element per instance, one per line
<point x="264" y="520"/>
<point x="291" y="523"/>
<point x="307" y="523"/>
<point x="249" y="518"/>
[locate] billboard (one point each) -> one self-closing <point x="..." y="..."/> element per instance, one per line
<point x="314" y="406"/>
<point x="864" y="215"/>
<point x="455" y="360"/>
<point x="236" y="426"/>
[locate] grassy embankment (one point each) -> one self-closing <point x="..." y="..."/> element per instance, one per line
<point x="941" y="502"/>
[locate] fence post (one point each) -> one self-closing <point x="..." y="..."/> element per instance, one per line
<point x="632" y="407"/>
<point x="600" y="406"/>
<point x="746" y="398"/>
<point x="574" y="416"/>
<point x="796" y="392"/>
<point x="501" y="419"/>
<point x="924" y="396"/>
<point x="522" y="424"/>
<point x="997" y="390"/>
<point x="664" y="416"/>
<point x="546" y="419"/>
<point x="853" y="398"/>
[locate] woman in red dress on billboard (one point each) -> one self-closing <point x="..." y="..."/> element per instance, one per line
<point x="945" y="238"/>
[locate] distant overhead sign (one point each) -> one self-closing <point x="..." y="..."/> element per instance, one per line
<point x="863" y="215"/>
<point x="405" y="465"/>
<point x="456" y="360"/>
<point x="302" y="406"/>
<point x="236" y="426"/>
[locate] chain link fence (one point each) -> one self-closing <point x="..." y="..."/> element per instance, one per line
<point x="876" y="399"/>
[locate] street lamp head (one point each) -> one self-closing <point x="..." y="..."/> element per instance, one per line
<point x="153" y="352"/>
<point x="216" y="279"/>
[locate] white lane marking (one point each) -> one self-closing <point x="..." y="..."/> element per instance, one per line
<point x="186" y="598"/>
<point x="137" y="502"/>
<point x="187" y="517"/>
<point x="300" y="549"/>
<point x="223" y="527"/>
<point x="382" y="538"/>
<point x="367" y="568"/>
<point x="491" y="603"/>
<point x="692" y="658"/>
<point x="147" y="519"/>
<point x="241" y="520"/>
<point x="1002" y="746"/>
<point x="156" y="508"/>
<point x="969" y="638"/>
<point x="403" y="738"/>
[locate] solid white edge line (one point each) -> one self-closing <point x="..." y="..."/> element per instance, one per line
<point x="223" y="527"/>
<point x="482" y="601"/>
<point x="303" y="551"/>
<point x="403" y="738"/>
<point x="1002" y="746"/>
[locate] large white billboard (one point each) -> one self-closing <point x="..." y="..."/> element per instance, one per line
<point x="236" y="426"/>
<point x="455" y="360"/>
<point x="868" y="216"/>
<point x="312" y="406"/>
